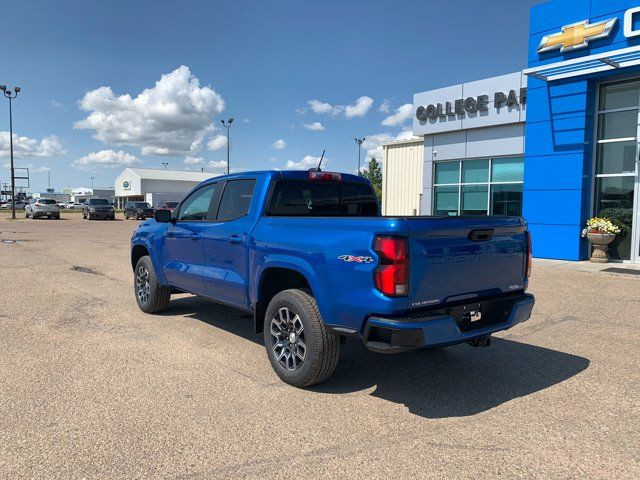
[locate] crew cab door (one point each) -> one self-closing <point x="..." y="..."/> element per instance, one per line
<point x="225" y="273"/>
<point x="182" y="256"/>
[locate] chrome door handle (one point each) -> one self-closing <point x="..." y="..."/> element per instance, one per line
<point x="236" y="239"/>
<point x="195" y="236"/>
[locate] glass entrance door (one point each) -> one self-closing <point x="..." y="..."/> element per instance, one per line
<point x="617" y="164"/>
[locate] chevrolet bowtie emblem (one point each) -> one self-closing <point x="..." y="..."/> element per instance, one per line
<point x="577" y="35"/>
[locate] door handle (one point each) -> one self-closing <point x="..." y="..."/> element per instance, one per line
<point x="195" y="236"/>
<point x="236" y="239"/>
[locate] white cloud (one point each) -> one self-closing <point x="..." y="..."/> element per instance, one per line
<point x="33" y="168"/>
<point x="56" y="104"/>
<point x="385" y="106"/>
<point x="401" y="115"/>
<point x="105" y="158"/>
<point x="357" y="109"/>
<point x="323" y="107"/>
<point x="373" y="143"/>
<point x="279" y="144"/>
<point x="309" y="161"/>
<point x="24" y="147"/>
<point x="360" y="108"/>
<point x="315" y="126"/>
<point x="220" y="166"/>
<point x="171" y="118"/>
<point x="188" y="160"/>
<point x="273" y="159"/>
<point x="218" y="142"/>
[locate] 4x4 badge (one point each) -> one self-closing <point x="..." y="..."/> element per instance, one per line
<point x="351" y="258"/>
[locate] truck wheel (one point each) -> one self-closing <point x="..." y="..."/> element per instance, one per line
<point x="150" y="295"/>
<point x="300" y="348"/>
<point x="26" y="214"/>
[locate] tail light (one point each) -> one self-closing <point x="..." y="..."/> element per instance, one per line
<point x="528" y="253"/>
<point x="392" y="275"/>
<point x="38" y="205"/>
<point x="324" y="176"/>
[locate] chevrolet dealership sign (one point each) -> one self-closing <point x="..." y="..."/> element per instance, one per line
<point x="578" y="35"/>
<point x="484" y="103"/>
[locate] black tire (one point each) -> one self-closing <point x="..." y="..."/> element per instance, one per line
<point x="157" y="296"/>
<point x="26" y="214"/>
<point x="322" y="348"/>
<point x="57" y="217"/>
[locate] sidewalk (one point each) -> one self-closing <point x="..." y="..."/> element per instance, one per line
<point x="586" y="266"/>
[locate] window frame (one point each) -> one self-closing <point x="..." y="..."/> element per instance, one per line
<point x="489" y="183"/>
<point x="209" y="217"/>
<point x="224" y="188"/>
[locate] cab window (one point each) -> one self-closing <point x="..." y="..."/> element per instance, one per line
<point x="236" y="199"/>
<point x="196" y="206"/>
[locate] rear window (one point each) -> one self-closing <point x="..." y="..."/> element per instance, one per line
<point x="171" y="204"/>
<point x="299" y="198"/>
<point x="141" y="205"/>
<point x="47" y="201"/>
<point x="98" y="201"/>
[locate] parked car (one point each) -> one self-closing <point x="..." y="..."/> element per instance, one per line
<point x="76" y="206"/>
<point x="42" y="207"/>
<point x="20" y="204"/>
<point x="95" y="208"/>
<point x="310" y="256"/>
<point x="138" y="210"/>
<point x="171" y="206"/>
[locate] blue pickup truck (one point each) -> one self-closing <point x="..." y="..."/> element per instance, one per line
<point x="310" y="256"/>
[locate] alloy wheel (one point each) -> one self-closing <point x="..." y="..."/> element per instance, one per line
<point x="288" y="340"/>
<point x="143" y="287"/>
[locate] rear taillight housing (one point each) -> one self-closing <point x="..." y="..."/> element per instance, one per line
<point x="391" y="276"/>
<point x="529" y="254"/>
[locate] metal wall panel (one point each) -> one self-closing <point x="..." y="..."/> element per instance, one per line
<point x="402" y="178"/>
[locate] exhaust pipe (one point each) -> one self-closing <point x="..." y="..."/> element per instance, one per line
<point x="484" y="341"/>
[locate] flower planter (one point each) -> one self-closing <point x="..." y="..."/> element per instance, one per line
<point x="600" y="242"/>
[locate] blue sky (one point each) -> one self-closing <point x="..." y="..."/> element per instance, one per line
<point x="260" y="62"/>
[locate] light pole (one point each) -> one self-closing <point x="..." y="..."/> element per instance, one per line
<point x="227" y="125"/>
<point x="92" y="179"/>
<point x="11" y="95"/>
<point x="359" y="142"/>
<point x="165" y="164"/>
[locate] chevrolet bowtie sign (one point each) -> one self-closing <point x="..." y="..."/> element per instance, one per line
<point x="577" y="35"/>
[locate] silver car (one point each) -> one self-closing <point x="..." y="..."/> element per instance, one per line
<point x="42" y="207"/>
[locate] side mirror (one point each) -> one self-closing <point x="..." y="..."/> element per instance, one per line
<point x="163" y="216"/>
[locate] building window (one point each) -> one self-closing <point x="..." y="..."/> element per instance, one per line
<point x="616" y="151"/>
<point x="486" y="186"/>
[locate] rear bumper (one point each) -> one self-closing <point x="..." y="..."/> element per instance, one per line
<point x="448" y="326"/>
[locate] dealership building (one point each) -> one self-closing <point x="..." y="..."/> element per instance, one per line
<point x="556" y="142"/>
<point x="155" y="186"/>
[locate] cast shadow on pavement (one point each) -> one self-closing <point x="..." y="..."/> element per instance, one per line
<point x="451" y="382"/>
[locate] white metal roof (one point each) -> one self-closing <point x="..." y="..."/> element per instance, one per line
<point x="161" y="174"/>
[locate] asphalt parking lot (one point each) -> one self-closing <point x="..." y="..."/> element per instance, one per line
<point x="90" y="387"/>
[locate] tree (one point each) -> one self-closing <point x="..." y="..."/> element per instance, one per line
<point x="373" y="173"/>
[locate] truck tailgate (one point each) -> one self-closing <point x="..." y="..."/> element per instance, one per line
<point x="459" y="258"/>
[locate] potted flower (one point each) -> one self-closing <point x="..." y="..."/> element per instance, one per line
<point x="600" y="232"/>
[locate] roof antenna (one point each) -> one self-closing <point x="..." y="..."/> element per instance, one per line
<point x="320" y="162"/>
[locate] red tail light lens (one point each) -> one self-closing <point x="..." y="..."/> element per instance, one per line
<point x="38" y="205"/>
<point x="529" y="254"/>
<point x="324" y="176"/>
<point x="392" y="275"/>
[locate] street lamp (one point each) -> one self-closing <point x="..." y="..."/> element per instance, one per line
<point x="227" y="125"/>
<point x="359" y="142"/>
<point x="165" y="164"/>
<point x="11" y="95"/>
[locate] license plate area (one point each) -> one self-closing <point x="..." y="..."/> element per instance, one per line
<point x="474" y="316"/>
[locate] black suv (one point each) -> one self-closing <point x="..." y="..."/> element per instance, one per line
<point x="98" y="208"/>
<point x="138" y="210"/>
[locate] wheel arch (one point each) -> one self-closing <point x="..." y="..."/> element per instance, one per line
<point x="273" y="279"/>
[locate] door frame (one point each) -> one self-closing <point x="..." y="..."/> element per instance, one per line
<point x="634" y="256"/>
